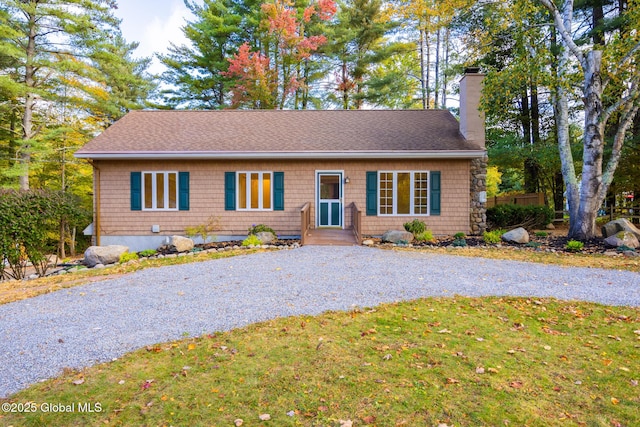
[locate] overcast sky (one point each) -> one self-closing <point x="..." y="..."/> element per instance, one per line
<point x="154" y="24"/>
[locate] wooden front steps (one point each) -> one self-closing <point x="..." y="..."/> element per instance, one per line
<point x="330" y="237"/>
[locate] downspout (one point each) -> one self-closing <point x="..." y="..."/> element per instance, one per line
<point x="96" y="202"/>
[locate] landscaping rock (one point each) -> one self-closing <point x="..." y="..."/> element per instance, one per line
<point x="367" y="242"/>
<point x="613" y="227"/>
<point x="180" y="244"/>
<point x="103" y="254"/>
<point x="550" y="226"/>
<point x="397" y="236"/>
<point x="266" y="237"/>
<point x="622" y="238"/>
<point x="518" y="235"/>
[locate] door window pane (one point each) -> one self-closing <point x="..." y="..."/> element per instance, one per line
<point x="329" y="187"/>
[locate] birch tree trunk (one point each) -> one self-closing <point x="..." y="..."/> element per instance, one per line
<point x="585" y="202"/>
<point x="584" y="225"/>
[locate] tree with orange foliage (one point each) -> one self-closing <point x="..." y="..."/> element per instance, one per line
<point x="267" y="78"/>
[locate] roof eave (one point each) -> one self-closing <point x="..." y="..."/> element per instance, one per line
<point x="281" y="155"/>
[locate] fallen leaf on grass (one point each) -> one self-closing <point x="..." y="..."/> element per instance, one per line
<point x="614" y="401"/>
<point x="78" y="381"/>
<point x="265" y="417"/>
<point x="238" y="422"/>
<point x="369" y="419"/>
<point x="191" y="346"/>
<point x="515" y="384"/>
<point x="452" y="381"/>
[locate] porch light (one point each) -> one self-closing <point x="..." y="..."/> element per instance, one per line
<point x="346" y="180"/>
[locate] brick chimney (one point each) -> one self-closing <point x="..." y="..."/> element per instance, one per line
<point x="471" y="118"/>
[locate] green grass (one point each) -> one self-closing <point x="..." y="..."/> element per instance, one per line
<point x="457" y="361"/>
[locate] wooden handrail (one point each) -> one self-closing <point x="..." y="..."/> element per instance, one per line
<point x="356" y="219"/>
<point x="305" y="222"/>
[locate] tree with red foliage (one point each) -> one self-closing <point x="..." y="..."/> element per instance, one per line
<point x="267" y="80"/>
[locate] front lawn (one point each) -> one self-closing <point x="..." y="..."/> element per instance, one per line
<point x="438" y="361"/>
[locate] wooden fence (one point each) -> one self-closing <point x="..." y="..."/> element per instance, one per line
<point x="530" y="199"/>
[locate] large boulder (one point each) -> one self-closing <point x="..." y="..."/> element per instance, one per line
<point x="518" y="235"/>
<point x="95" y="255"/>
<point x="180" y="244"/>
<point x="397" y="236"/>
<point x="614" y="227"/>
<point x="266" y="237"/>
<point x="622" y="238"/>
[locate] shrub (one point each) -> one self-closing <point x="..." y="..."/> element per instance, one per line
<point x="415" y="227"/>
<point x="425" y="236"/>
<point x="460" y="243"/>
<point x="510" y="216"/>
<point x="493" y="237"/>
<point x="574" y="246"/>
<point x="541" y="234"/>
<point x="259" y="228"/>
<point x="205" y="231"/>
<point x="459" y="236"/>
<point x="128" y="256"/>
<point x="251" y="240"/>
<point x="147" y="253"/>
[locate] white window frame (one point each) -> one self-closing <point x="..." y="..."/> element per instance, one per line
<point x="154" y="183"/>
<point x="248" y="191"/>
<point x="412" y="206"/>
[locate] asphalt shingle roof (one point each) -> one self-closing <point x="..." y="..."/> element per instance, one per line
<point x="280" y="131"/>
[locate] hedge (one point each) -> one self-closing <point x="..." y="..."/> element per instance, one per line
<point x="29" y="222"/>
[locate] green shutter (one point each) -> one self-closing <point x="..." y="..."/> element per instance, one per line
<point x="278" y="191"/>
<point x="229" y="191"/>
<point x="183" y="191"/>
<point x="434" y="193"/>
<point x="372" y="193"/>
<point x="136" y="191"/>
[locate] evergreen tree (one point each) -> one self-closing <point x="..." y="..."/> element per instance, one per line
<point x="46" y="44"/>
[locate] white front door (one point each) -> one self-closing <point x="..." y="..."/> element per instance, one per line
<point x="330" y="207"/>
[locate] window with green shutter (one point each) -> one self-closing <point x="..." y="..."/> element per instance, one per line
<point x="159" y="191"/>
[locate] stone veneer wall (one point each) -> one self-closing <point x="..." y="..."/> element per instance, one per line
<point x="478" y="187"/>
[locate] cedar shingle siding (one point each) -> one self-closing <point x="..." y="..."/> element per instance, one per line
<point x="207" y="196"/>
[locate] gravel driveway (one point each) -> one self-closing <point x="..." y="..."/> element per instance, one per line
<point x="97" y="322"/>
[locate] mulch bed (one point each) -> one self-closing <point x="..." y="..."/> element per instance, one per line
<point x="549" y="243"/>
